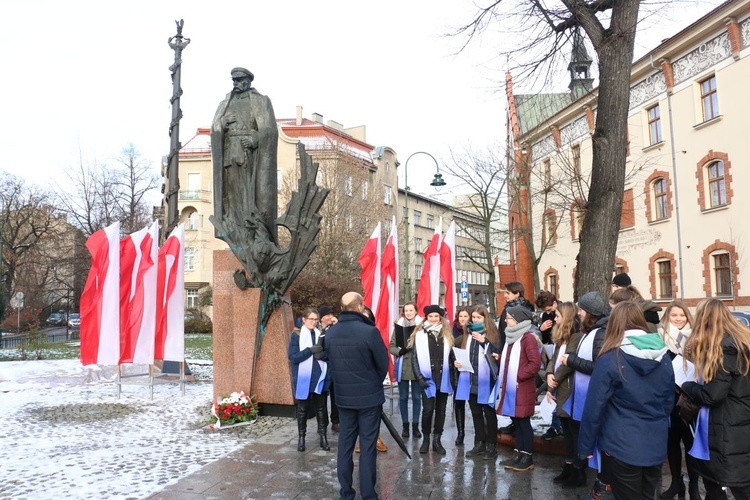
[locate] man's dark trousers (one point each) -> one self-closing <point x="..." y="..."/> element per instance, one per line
<point x="364" y="423"/>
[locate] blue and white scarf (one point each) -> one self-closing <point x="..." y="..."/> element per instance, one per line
<point x="304" y="373"/>
<point x="581" y="381"/>
<point x="700" y="438"/>
<point x="511" y="358"/>
<point x="486" y="390"/>
<point x="423" y="358"/>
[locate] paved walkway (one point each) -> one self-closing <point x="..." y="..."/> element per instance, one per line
<point x="271" y="467"/>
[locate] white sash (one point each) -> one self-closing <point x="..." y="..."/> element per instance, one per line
<point x="510" y="383"/>
<point x="581" y="380"/>
<point x="560" y="355"/>
<point x="425" y="368"/>
<point x="304" y="371"/>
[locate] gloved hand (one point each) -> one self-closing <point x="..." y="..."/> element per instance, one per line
<point x="403" y="351"/>
<point x="316" y="349"/>
<point x="422" y="383"/>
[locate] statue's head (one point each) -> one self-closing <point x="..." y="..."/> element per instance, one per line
<point x="242" y="79"/>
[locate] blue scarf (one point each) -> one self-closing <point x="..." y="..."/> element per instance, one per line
<point x="304" y="375"/>
<point x="486" y="390"/>
<point x="581" y="380"/>
<point x="700" y="440"/>
<point x="423" y="358"/>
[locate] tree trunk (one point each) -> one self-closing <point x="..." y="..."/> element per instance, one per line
<point x="601" y="223"/>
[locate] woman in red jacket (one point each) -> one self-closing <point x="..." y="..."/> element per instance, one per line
<point x="520" y="362"/>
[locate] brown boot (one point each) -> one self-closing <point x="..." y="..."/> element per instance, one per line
<point x="380" y="445"/>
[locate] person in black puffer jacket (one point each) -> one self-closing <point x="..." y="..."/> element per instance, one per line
<point x="719" y="346"/>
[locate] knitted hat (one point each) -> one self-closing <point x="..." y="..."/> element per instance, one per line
<point x="592" y="303"/>
<point x="434" y="308"/>
<point x="622" y="280"/>
<point x="324" y="311"/>
<point x="521" y="313"/>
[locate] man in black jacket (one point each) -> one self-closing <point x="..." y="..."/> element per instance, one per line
<point x="358" y="360"/>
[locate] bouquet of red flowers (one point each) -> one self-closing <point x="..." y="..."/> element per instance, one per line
<point x="234" y="409"/>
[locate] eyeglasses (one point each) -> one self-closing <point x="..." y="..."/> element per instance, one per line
<point x="311" y="319"/>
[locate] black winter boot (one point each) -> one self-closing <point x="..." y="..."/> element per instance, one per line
<point x="676" y="488"/>
<point x="567" y="470"/>
<point x="525" y="462"/>
<point x="415" y="431"/>
<point x="478" y="449"/>
<point x="320" y="413"/>
<point x="425" y="445"/>
<point x="490" y="452"/>
<point x="460" y="424"/>
<point x="437" y="446"/>
<point x="576" y="479"/>
<point x="405" y="431"/>
<point x="508" y="463"/>
<point x="301" y="427"/>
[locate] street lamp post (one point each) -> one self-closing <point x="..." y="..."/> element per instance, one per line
<point x="437" y="181"/>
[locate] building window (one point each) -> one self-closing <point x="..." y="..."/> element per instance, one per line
<point x="552" y="284"/>
<point x="654" y="124"/>
<point x="417" y="271"/>
<point x="348" y="185"/>
<point x="193" y="221"/>
<point x="190" y="259"/>
<point x="619" y="269"/>
<point x="418" y="245"/>
<point x="577" y="213"/>
<point x="709" y="98"/>
<point x="665" y="279"/>
<point x="723" y="275"/>
<point x="660" y="199"/>
<point x="349" y="222"/>
<point x="717" y="184"/>
<point x="430" y="221"/>
<point x="550" y="228"/>
<point x="365" y="187"/>
<point x="387" y="195"/>
<point x="576" y="149"/>
<point x="191" y="298"/>
<point x="547" y="174"/>
<point x="417" y="218"/>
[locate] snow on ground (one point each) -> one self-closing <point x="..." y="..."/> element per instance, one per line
<point x="65" y="433"/>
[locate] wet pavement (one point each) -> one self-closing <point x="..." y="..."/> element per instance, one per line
<point x="271" y="467"/>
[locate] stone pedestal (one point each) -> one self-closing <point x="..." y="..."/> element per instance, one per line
<point x="236" y="321"/>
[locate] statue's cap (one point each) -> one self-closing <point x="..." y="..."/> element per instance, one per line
<point x="242" y="72"/>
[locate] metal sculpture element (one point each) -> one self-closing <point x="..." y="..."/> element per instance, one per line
<point x="177" y="43"/>
<point x="266" y="264"/>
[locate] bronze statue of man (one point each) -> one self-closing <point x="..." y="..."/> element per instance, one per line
<point x="244" y="141"/>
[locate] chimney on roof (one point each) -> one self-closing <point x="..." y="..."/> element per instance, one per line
<point x="298" y="121"/>
<point x="317" y="117"/>
<point x="335" y="125"/>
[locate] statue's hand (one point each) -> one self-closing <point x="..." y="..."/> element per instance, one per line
<point x="249" y="142"/>
<point x="229" y="119"/>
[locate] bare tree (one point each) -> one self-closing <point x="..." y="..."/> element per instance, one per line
<point x="610" y="27"/>
<point x="484" y="176"/>
<point x="134" y="180"/>
<point x="28" y="218"/>
<point x="350" y="213"/>
<point x="98" y="195"/>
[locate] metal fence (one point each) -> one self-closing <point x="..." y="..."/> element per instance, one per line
<point x="16" y="341"/>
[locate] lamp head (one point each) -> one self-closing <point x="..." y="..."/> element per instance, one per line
<point x="438" y="181"/>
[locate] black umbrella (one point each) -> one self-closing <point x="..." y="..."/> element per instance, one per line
<point x="394" y="433"/>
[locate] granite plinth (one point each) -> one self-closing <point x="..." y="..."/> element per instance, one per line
<point x="235" y="328"/>
<point x="272" y="381"/>
<point x="238" y="364"/>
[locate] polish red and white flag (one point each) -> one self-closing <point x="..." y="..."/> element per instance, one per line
<point x="429" y="282"/>
<point x="448" y="270"/>
<point x="389" y="291"/>
<point x="138" y="257"/>
<point x="369" y="260"/>
<point x="100" y="300"/>
<point x="170" y="298"/>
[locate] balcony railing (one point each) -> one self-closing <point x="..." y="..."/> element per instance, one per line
<point x="199" y="194"/>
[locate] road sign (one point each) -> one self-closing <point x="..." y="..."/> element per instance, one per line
<point x="464" y="295"/>
<point x="16" y="303"/>
<point x="464" y="286"/>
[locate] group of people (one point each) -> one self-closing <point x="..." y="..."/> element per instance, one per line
<point x="619" y="376"/>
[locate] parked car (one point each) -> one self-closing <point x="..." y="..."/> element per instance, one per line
<point x="742" y="316"/>
<point x="56" y="319"/>
<point x="74" y="321"/>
